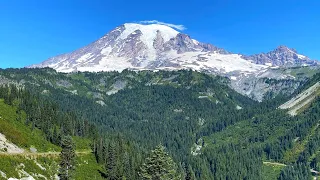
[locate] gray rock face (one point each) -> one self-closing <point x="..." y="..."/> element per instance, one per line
<point x="263" y="88"/>
<point x="158" y="42"/>
<point x="131" y="47"/>
<point x="273" y="82"/>
<point x="282" y="56"/>
<point x="117" y="86"/>
<point x="181" y="43"/>
<point x="64" y="83"/>
<point x="211" y="48"/>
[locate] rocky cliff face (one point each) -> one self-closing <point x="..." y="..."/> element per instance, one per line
<point x="263" y="88"/>
<point x="273" y="82"/>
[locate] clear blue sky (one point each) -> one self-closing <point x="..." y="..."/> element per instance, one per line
<point x="34" y="30"/>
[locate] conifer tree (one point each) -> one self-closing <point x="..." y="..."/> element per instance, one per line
<point x="67" y="164"/>
<point x="189" y="173"/>
<point x="159" y="166"/>
<point x="128" y="173"/>
<point x="111" y="165"/>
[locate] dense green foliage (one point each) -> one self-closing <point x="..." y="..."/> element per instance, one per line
<point x="159" y="166"/>
<point x="12" y="124"/>
<point x="211" y="131"/>
<point x="295" y="172"/>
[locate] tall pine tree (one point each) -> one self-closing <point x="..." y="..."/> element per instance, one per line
<point x="111" y="165"/>
<point x="68" y="155"/>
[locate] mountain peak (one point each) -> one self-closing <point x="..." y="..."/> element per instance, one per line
<point x="149" y="46"/>
<point x="281" y="56"/>
<point x="156" y="46"/>
<point x="283" y="48"/>
<point x="149" y="31"/>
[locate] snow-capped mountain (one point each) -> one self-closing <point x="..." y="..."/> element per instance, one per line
<point x="152" y="46"/>
<point x="281" y="56"/>
<point x="155" y="47"/>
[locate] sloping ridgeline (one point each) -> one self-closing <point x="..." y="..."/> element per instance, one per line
<point x="283" y="142"/>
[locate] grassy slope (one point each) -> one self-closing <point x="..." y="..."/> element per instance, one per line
<point x="86" y="168"/>
<point x="11" y="165"/>
<point x="13" y="127"/>
<point x="270" y="171"/>
<point x="292" y="154"/>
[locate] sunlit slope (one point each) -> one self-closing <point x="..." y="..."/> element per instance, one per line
<point x="304" y="97"/>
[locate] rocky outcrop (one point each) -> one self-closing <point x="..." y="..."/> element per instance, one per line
<point x="281" y="56"/>
<point x="302" y="99"/>
<point x="8" y="147"/>
<point x="268" y="84"/>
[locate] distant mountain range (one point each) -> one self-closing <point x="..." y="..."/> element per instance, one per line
<point x="154" y="47"/>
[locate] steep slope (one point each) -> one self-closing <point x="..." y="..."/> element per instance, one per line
<point x="14" y="133"/>
<point x="273" y="82"/>
<point x="153" y="46"/>
<point x="7" y="146"/>
<point x="25" y="153"/>
<point x="303" y="100"/>
<point x="13" y="128"/>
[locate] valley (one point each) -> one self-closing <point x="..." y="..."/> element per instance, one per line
<point x="179" y="109"/>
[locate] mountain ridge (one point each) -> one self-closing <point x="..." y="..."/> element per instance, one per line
<point x="155" y="46"/>
<point x="285" y="57"/>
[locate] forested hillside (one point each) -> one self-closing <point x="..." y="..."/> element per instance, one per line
<point x="209" y="130"/>
<point x="26" y="152"/>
